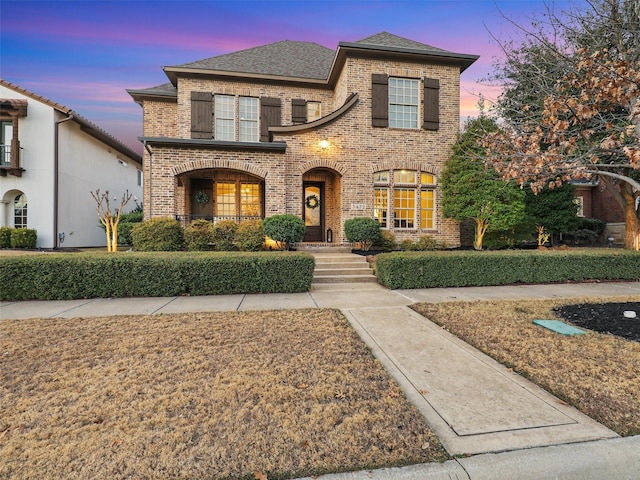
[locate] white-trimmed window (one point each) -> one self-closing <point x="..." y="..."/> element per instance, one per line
<point x="248" y="119"/>
<point x="403" y="102"/>
<point x="314" y="111"/>
<point x="20" y="211"/>
<point x="404" y="199"/>
<point x="225" y="117"/>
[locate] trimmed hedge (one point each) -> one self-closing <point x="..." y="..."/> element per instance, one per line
<point x="463" y="269"/>
<point x="105" y="275"/>
<point x="24" y="238"/>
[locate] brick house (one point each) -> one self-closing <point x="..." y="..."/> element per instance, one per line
<point x="294" y="127"/>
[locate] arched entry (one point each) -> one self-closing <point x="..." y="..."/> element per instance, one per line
<point x="321" y="204"/>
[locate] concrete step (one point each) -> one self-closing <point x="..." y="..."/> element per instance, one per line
<point x="344" y="279"/>
<point x="335" y="264"/>
<point x="360" y="270"/>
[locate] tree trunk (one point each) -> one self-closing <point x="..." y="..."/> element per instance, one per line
<point x="481" y="229"/>
<point x="631" y="222"/>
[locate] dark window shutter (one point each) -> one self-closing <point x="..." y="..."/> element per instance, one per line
<point x="379" y="100"/>
<point x="431" y="104"/>
<point x="201" y="115"/>
<point x="269" y="116"/>
<point x="298" y="110"/>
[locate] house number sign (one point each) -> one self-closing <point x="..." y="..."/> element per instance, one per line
<point x="358" y="206"/>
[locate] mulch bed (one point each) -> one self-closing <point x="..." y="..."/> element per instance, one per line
<point x="604" y="318"/>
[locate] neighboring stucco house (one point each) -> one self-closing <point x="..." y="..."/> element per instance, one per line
<point x="294" y="127"/>
<point x="51" y="159"/>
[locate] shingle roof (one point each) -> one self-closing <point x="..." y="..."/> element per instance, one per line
<point x="164" y="90"/>
<point x="385" y="39"/>
<point x="286" y="58"/>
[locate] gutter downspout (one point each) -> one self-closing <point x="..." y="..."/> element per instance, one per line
<point x="146" y="147"/>
<point x="55" y="177"/>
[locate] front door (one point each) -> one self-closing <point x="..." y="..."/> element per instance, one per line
<point x="313" y="208"/>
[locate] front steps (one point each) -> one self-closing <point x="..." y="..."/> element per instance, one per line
<point x="334" y="267"/>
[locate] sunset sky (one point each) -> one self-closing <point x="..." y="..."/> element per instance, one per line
<point x="85" y="53"/>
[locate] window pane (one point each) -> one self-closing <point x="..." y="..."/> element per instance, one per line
<point x="314" y="111"/>
<point x="381" y="205"/>
<point x="226" y="199"/>
<point x="225" y="118"/>
<point x="404" y="207"/>
<point x="404" y="176"/>
<point x="250" y="200"/>
<point x="381" y="177"/>
<point x="248" y="119"/>
<point x="403" y="103"/>
<point x="426" y="209"/>
<point x="427" y="179"/>
<point x="20" y="211"/>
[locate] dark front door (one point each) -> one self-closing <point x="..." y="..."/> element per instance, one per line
<point x="313" y="207"/>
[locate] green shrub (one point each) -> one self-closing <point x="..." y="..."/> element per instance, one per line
<point x="158" y="234"/>
<point x="250" y="236"/>
<point x="407" y="245"/>
<point x="284" y="229"/>
<point x="362" y="230"/>
<point x="24" y="238"/>
<point x="386" y="242"/>
<point x="223" y="235"/>
<point x="5" y="237"/>
<point x="102" y="275"/>
<point x="461" y="269"/>
<point x="427" y="242"/>
<point x="198" y="235"/>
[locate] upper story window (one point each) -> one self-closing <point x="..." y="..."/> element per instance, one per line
<point x="231" y="118"/>
<point x="6" y="133"/>
<point x="314" y="111"/>
<point x="395" y="102"/>
<point x="403" y="103"/>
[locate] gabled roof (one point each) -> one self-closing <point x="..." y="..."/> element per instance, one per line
<point x="285" y="58"/>
<point x="309" y="62"/>
<point x="165" y="91"/>
<point x="86" y="126"/>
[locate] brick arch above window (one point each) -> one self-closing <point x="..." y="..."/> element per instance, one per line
<point x="394" y="165"/>
<point x="239" y="165"/>
<point x="322" y="163"/>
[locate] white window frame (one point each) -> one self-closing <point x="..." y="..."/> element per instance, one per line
<point x="225" y="117"/>
<point x="248" y="108"/>
<point x="404" y="103"/>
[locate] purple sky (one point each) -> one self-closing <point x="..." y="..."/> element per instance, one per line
<point x="85" y="53"/>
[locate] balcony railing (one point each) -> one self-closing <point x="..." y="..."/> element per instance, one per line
<point x="5" y="155"/>
<point x="187" y="219"/>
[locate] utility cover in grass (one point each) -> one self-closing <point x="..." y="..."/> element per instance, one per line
<point x="559" y="327"/>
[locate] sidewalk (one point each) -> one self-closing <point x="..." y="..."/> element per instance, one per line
<point x="511" y="430"/>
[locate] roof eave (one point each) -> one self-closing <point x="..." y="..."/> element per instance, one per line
<point x="278" y="147"/>
<point x="174" y="72"/>
<point x="140" y="95"/>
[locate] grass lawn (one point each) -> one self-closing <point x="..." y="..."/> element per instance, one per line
<point x="597" y="373"/>
<point x="200" y="396"/>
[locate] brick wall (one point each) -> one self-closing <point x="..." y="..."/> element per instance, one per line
<point x="356" y="149"/>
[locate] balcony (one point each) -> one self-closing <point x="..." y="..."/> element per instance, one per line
<point x="10" y="159"/>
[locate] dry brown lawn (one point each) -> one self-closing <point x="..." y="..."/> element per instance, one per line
<point x="599" y="374"/>
<point x="199" y="396"/>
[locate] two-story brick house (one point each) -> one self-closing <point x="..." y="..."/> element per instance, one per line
<point x="294" y="127"/>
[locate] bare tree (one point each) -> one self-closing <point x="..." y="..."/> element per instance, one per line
<point x="107" y="218"/>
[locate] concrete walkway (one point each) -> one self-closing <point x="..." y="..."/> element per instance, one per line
<point x="501" y="424"/>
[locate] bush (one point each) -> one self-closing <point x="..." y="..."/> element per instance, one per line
<point x="427" y="242"/>
<point x="462" y="269"/>
<point x="158" y="234"/>
<point x="407" y="245"/>
<point x="5" y="237"/>
<point x="250" y="236"/>
<point x="24" y="238"/>
<point x="223" y="235"/>
<point x="362" y="230"/>
<point x="198" y="235"/>
<point x="386" y="242"/>
<point x="102" y="275"/>
<point x="284" y="229"/>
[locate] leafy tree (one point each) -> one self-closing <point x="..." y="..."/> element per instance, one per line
<point x="571" y="103"/>
<point x="471" y="190"/>
<point x="552" y="211"/>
